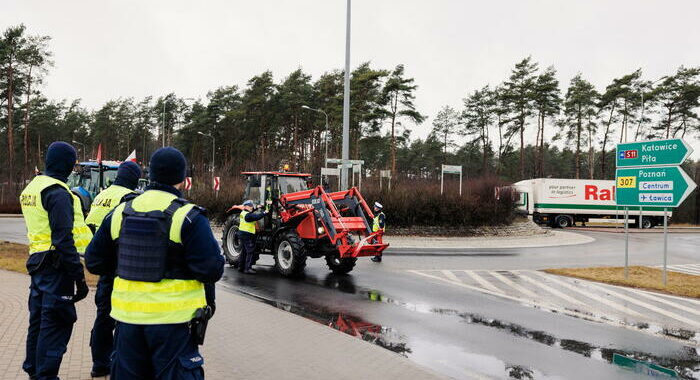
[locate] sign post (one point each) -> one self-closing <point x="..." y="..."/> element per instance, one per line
<point x="188" y="184"/>
<point x="451" y="169"/>
<point x="217" y="185"/>
<point x="384" y="174"/>
<point x="648" y="175"/>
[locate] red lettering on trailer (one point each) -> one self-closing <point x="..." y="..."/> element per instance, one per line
<point x="591" y="192"/>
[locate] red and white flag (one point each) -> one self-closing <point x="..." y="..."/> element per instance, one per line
<point x="99" y="154"/>
<point x="132" y="156"/>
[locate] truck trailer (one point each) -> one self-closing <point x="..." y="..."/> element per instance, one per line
<point x="562" y="203"/>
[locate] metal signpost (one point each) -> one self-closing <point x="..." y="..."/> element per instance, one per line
<point x="355" y="165"/>
<point x="331" y="171"/>
<point x="648" y="176"/>
<point x="384" y="174"/>
<point x="450" y="169"/>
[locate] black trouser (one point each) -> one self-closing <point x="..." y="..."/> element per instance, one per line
<point x="101" y="337"/>
<point x="245" y="262"/>
<point x="51" y="318"/>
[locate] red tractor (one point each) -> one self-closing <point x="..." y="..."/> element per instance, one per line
<point x="305" y="222"/>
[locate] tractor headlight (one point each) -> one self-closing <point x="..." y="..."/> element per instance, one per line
<point x="320" y="230"/>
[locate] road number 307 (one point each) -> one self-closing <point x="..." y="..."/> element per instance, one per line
<point x="626" y="182"/>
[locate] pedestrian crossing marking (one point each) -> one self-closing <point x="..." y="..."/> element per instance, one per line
<point x="669" y="303"/>
<point x="513" y="285"/>
<point x="646" y="305"/>
<point x="614" y="305"/>
<point x="481" y="281"/>
<point x="451" y="276"/>
<point x="685" y="269"/>
<point x="552" y="290"/>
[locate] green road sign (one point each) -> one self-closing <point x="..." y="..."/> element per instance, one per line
<point x="664" y="186"/>
<point x="653" y="153"/>
<point x="647" y="368"/>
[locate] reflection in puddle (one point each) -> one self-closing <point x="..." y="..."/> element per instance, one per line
<point x="687" y="363"/>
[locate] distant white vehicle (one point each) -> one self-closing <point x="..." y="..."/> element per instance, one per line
<point x="562" y="203"/>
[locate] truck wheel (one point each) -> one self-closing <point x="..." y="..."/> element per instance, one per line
<point x="563" y="221"/>
<point x="647" y="223"/>
<point x="338" y="265"/>
<point x="289" y="255"/>
<point x="230" y="241"/>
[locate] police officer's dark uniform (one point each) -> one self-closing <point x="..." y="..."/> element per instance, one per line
<point x="101" y="337"/>
<point x="57" y="233"/>
<point x="166" y="262"/>
<point x="246" y="234"/>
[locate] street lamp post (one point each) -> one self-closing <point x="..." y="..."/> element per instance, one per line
<point x="82" y="146"/>
<point x="213" y="149"/>
<point x="346" y="105"/>
<point x="327" y="130"/>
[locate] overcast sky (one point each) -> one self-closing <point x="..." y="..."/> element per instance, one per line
<point x="109" y="49"/>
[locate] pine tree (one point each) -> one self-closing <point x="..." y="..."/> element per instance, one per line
<point x="519" y="92"/>
<point x="579" y="107"/>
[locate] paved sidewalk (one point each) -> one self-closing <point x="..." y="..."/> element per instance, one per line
<point x="550" y="239"/>
<point x="246" y="340"/>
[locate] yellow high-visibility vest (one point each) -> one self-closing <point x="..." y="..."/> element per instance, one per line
<point x="37" y="218"/>
<point x="150" y="303"/>
<point x="105" y="202"/>
<point x="245" y="226"/>
<point x="375" y="224"/>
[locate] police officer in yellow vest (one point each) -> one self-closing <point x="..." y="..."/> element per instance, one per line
<point x="165" y="260"/>
<point x="246" y="234"/>
<point x="101" y="337"/>
<point x="378" y="223"/>
<point x="57" y="234"/>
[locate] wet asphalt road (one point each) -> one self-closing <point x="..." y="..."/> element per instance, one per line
<point x="463" y="333"/>
<point x="466" y="334"/>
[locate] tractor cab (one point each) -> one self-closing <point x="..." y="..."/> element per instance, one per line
<point x="85" y="181"/>
<point x="265" y="186"/>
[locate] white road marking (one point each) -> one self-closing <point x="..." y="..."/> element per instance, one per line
<point x="669" y="303"/>
<point x="482" y="281"/>
<point x="592" y="296"/>
<point x="512" y="284"/>
<point x="684" y="269"/>
<point x="645" y="305"/>
<point x="550" y="289"/>
<point x="451" y="276"/>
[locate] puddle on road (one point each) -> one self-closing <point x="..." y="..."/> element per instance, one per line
<point x="686" y="363"/>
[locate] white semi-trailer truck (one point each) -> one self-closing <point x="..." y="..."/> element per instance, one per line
<point x="563" y="202"/>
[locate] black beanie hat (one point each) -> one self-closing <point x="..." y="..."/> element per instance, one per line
<point x="167" y="166"/>
<point x="128" y="175"/>
<point x="60" y="159"/>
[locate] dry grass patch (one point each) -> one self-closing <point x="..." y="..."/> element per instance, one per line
<point x="13" y="257"/>
<point x="679" y="284"/>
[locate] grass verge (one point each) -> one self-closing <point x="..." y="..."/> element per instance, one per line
<point x="13" y="257"/>
<point x="679" y="284"/>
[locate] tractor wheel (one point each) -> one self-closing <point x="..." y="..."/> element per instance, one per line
<point x="338" y="265"/>
<point x="290" y="259"/>
<point x="232" y="245"/>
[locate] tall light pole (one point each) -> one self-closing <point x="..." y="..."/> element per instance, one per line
<point x="213" y="149"/>
<point x="346" y="105"/>
<point x="82" y="146"/>
<point x="327" y="131"/>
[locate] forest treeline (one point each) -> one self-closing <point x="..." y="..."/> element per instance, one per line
<point x="528" y="125"/>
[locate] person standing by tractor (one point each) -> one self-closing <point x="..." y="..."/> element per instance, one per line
<point x="246" y="235"/>
<point x="57" y="234"/>
<point x="378" y="224"/>
<point x="165" y="260"/>
<point x="101" y="337"/>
